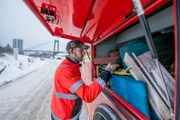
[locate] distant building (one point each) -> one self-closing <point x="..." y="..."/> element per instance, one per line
<point x="18" y="43"/>
<point x="14" y="45"/>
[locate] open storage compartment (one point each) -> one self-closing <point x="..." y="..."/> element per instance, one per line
<point x="131" y="41"/>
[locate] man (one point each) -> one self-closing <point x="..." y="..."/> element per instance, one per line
<point x="69" y="89"/>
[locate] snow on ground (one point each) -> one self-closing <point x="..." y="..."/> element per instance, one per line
<point x="11" y="69"/>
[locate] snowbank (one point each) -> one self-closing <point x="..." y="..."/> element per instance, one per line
<point x="11" y="69"/>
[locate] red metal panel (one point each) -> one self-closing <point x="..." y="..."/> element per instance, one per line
<point x="105" y="14"/>
<point x="104" y="60"/>
<point x="84" y="20"/>
<point x="72" y="15"/>
<point x="157" y="4"/>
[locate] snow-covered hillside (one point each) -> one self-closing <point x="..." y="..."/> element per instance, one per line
<point x="11" y="69"/>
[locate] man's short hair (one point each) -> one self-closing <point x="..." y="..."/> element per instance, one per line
<point x="76" y="44"/>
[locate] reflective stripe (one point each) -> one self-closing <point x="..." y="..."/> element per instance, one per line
<point x="74" y="118"/>
<point x="76" y="86"/>
<point x="101" y="82"/>
<point x="65" y="96"/>
<point x="61" y="65"/>
<point x="54" y="116"/>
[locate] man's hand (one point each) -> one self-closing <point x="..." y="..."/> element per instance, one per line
<point x="106" y="74"/>
<point x="111" y="67"/>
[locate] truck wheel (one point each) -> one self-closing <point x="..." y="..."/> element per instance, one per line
<point x="104" y="112"/>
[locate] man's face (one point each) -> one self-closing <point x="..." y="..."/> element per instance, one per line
<point x="78" y="54"/>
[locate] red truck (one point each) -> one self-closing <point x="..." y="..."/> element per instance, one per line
<point x="108" y="25"/>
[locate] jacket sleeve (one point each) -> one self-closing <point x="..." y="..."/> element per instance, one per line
<point x="74" y="83"/>
<point x="89" y="93"/>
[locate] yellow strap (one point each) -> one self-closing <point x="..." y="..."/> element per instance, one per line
<point x="121" y="72"/>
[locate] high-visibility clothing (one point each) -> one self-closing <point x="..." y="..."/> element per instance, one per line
<point x="70" y="90"/>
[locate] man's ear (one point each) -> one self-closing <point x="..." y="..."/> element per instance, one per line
<point x="70" y="51"/>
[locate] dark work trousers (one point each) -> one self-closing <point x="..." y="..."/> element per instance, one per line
<point x="52" y="117"/>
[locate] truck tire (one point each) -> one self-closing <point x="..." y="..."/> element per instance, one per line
<point x="104" y="112"/>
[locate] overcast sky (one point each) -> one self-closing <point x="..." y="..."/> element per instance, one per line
<point x="17" y="21"/>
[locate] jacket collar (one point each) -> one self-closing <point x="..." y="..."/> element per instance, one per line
<point x="71" y="60"/>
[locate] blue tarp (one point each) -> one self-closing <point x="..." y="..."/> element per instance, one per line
<point x="133" y="91"/>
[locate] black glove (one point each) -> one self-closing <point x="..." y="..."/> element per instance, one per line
<point x="105" y="75"/>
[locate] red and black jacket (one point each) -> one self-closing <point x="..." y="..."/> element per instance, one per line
<point x="70" y="90"/>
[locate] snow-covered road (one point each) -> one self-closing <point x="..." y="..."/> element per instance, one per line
<point x="28" y="98"/>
